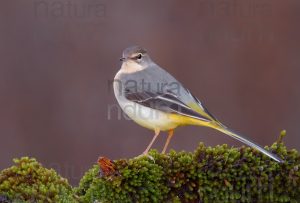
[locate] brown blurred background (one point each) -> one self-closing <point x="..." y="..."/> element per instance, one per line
<point x="57" y="58"/>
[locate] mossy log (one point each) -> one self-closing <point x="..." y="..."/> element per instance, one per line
<point x="210" y="174"/>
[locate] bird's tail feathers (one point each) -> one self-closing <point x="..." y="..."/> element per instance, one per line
<point x="220" y="127"/>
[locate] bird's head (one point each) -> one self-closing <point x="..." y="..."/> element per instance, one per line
<point x="136" y="55"/>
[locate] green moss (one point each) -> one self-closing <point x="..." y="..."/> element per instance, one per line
<point x="134" y="180"/>
<point x="210" y="174"/>
<point x="28" y="181"/>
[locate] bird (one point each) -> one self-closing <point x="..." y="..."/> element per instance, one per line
<point x="154" y="99"/>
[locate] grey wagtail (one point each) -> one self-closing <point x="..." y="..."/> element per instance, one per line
<point x="154" y="99"/>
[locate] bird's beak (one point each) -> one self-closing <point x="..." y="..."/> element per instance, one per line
<point x="122" y="59"/>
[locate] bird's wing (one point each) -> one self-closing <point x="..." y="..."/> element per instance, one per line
<point x="198" y="106"/>
<point x="163" y="101"/>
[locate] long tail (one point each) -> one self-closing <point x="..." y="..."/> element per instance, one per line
<point x="242" y="139"/>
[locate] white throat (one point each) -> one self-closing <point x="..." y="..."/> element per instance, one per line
<point x="131" y="67"/>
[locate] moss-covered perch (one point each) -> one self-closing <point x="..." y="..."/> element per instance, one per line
<point x="210" y="174"/>
<point x="28" y="181"/>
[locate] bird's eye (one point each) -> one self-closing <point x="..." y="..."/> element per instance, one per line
<point x="139" y="56"/>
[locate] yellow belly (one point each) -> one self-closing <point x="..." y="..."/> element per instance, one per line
<point x="149" y="118"/>
<point x="155" y="119"/>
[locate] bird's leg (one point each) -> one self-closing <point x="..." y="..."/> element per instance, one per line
<point x="152" y="141"/>
<point x="170" y="135"/>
